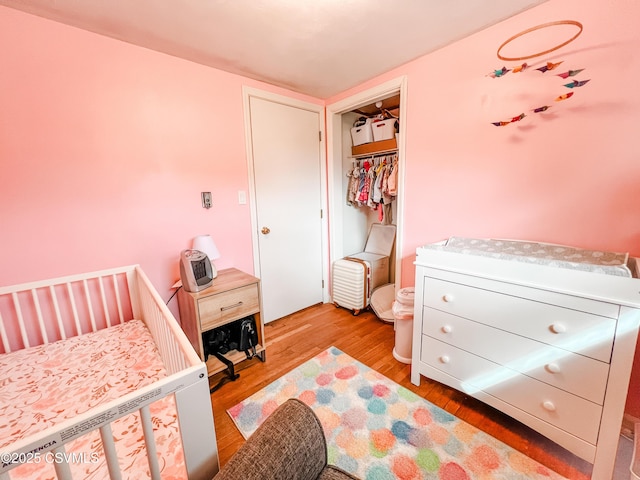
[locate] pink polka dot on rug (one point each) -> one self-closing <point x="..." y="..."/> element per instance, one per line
<point x="308" y="397"/>
<point x="452" y="471"/>
<point x="439" y="434"/>
<point x="268" y="408"/>
<point x="354" y="418"/>
<point x="324" y="379"/>
<point x="234" y="411"/>
<point x="422" y="416"/>
<point x="382" y="440"/>
<point x="358" y="448"/>
<point x="405" y="468"/>
<point x="347" y="372"/>
<point x="483" y="460"/>
<point x="381" y="390"/>
<point x="328" y="418"/>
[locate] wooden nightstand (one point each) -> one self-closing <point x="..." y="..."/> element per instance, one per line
<point x="233" y="295"/>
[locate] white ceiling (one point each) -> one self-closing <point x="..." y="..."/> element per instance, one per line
<point x="316" y="47"/>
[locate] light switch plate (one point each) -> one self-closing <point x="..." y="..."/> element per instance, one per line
<point x="206" y="200"/>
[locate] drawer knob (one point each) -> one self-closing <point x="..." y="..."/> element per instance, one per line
<point x="553" y="367"/>
<point x="549" y="406"/>
<point x="448" y="298"/>
<point x="444" y="358"/>
<point x="447" y="328"/>
<point x="558" y="328"/>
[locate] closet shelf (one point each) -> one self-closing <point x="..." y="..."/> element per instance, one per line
<point x="373" y="154"/>
<point x="373" y="148"/>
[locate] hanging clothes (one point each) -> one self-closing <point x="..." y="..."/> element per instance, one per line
<point x="373" y="184"/>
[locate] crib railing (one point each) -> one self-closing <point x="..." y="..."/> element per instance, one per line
<point x="36" y="447"/>
<point x="41" y="312"/>
<point x="174" y="347"/>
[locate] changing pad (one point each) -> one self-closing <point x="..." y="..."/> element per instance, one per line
<point x="562" y="256"/>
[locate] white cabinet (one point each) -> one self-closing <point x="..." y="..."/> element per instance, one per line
<point x="551" y="347"/>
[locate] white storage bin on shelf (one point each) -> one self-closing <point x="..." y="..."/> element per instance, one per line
<point x="384" y="129"/>
<point x="362" y="134"/>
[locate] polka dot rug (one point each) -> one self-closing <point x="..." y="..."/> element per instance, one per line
<point x="378" y="430"/>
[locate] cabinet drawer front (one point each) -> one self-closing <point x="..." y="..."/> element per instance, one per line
<point x="565" y="328"/>
<point x="557" y="407"/>
<point x="228" y="306"/>
<point x="536" y="294"/>
<point x="577" y="374"/>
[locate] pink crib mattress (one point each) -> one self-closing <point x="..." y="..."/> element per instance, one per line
<point x="44" y="385"/>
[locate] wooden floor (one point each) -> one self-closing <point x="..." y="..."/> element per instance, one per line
<point x="297" y="338"/>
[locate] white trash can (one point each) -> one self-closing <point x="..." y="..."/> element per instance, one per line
<point x="403" y="316"/>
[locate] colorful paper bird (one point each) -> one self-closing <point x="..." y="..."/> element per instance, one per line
<point x="564" y="97"/>
<point x="576" y="83"/>
<point x="548" y="66"/>
<point x="520" y="68"/>
<point x="542" y="109"/>
<point x="514" y="119"/>
<point x="570" y="73"/>
<point x="499" y="73"/>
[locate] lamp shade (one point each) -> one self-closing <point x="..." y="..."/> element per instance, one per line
<point x="205" y="244"/>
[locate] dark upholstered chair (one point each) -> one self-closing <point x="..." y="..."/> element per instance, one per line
<point x="289" y="445"/>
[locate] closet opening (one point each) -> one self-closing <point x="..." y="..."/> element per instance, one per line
<point x="361" y="163"/>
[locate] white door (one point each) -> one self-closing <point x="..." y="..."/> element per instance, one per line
<point x="286" y="151"/>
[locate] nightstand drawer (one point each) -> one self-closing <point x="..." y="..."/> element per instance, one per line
<point x="227" y="306"/>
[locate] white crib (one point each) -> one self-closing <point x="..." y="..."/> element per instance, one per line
<point x="61" y="313"/>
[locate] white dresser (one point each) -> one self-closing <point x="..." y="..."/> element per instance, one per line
<point x="548" y="342"/>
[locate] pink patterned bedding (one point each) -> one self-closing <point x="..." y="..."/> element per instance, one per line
<point x="44" y="385"/>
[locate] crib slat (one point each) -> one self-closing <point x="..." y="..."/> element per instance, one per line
<point x="118" y="301"/>
<point x="90" y="305"/>
<point x="5" y="340"/>
<point x="110" y="453"/>
<point x="63" y="472"/>
<point x="18" y="310"/>
<point x="103" y="297"/>
<point x="74" y="309"/>
<point x="36" y="304"/>
<point x="150" y="442"/>
<point x="56" y="308"/>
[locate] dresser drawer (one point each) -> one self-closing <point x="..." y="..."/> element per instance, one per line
<point x="572" y="330"/>
<point x="227" y="306"/>
<point x="577" y="374"/>
<point x="573" y="414"/>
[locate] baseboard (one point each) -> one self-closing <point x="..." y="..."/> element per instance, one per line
<point x="628" y="422"/>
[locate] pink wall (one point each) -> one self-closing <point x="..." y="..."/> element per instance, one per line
<point x="569" y="176"/>
<point x="105" y="148"/>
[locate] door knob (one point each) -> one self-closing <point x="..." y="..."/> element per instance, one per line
<point x="265" y="230"/>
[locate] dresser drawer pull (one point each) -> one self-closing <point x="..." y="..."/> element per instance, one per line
<point x="549" y="406"/>
<point x="229" y="307"/>
<point x="445" y="359"/>
<point x="447" y="329"/>
<point x="448" y="298"/>
<point x="553" y="367"/>
<point x="558" y="328"/>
